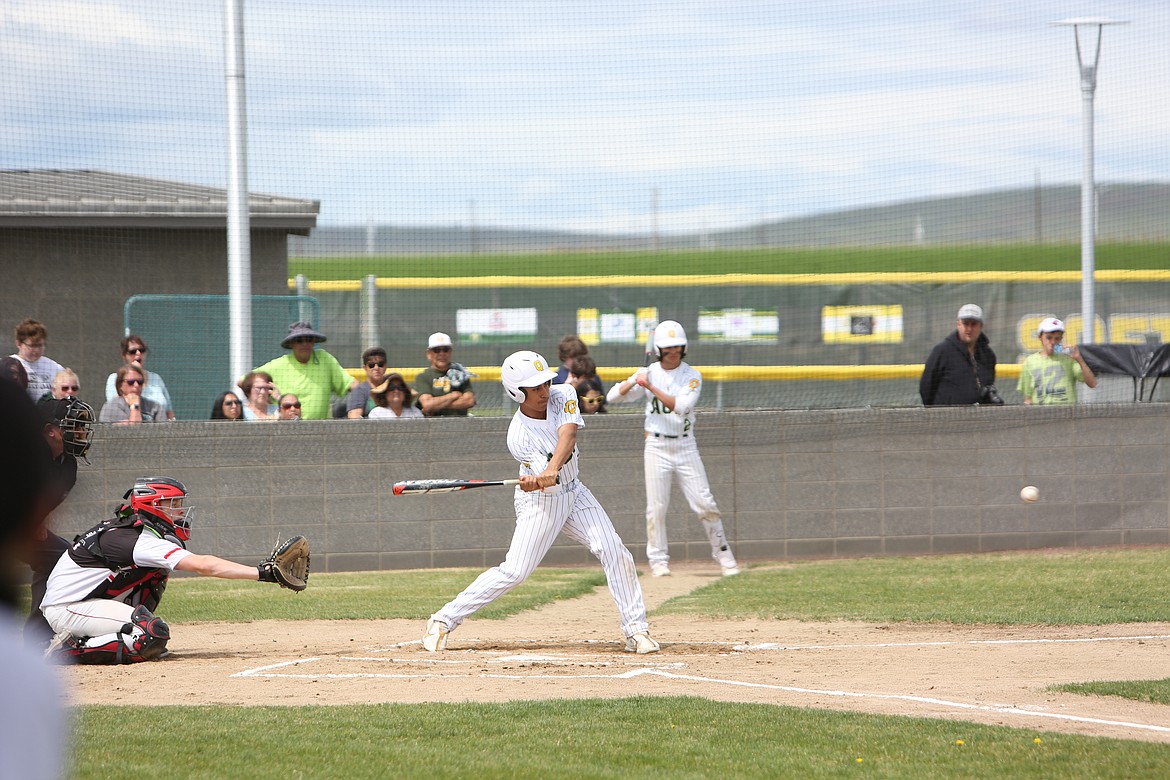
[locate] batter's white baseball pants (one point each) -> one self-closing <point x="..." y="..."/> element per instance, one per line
<point x="573" y="511"/>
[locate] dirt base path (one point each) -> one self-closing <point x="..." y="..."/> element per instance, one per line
<point x="574" y="650"/>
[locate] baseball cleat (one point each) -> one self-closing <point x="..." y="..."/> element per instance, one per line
<point x="727" y="562"/>
<point x="660" y="570"/>
<point x="435" y="639"/>
<point x="641" y="643"/>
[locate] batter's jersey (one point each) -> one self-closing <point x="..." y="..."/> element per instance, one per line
<point x="685" y="384"/>
<point x="532" y="442"/>
<point x="70" y="583"/>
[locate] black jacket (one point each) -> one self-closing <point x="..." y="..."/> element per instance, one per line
<point x="951" y="377"/>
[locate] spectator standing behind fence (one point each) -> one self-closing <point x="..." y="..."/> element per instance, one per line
<point x="590" y="392"/>
<point x="65" y="384"/>
<point x="30" y="351"/>
<point x="444" y="389"/>
<point x="289" y="407"/>
<point x="961" y="368"/>
<point x="569" y="349"/>
<point x="257" y="387"/>
<point x="1050" y="376"/>
<point x="131" y="406"/>
<point x="227" y="406"/>
<point x="134" y="350"/>
<point x="358" y="403"/>
<point x="392" y="400"/>
<point x="312" y="374"/>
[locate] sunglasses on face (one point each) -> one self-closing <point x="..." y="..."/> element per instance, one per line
<point x="34" y="344"/>
<point x="136" y="351"/>
<point x="376" y="364"/>
<point x="297" y="405"/>
<point x="396" y="388"/>
<point x="70" y="387"/>
<point x="303" y="340"/>
<point x="440" y="349"/>
<point x="132" y="381"/>
<point x="231" y="403"/>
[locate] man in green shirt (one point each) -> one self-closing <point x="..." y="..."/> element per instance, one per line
<point x="1050" y="376"/>
<point x="444" y="389"/>
<point x="312" y="374"/>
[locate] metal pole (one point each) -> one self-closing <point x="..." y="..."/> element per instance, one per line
<point x="1088" y="203"/>
<point x="238" y="218"/>
<point x="1088" y="69"/>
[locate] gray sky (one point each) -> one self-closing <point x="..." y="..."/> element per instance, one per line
<point x="571" y="115"/>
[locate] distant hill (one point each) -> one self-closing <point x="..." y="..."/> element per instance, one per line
<point x="1126" y="213"/>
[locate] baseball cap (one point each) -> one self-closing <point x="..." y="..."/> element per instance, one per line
<point x="1050" y="325"/>
<point x="438" y="340"/>
<point x="970" y="311"/>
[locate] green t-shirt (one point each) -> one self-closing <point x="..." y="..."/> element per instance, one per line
<point x="314" y="383"/>
<point x="431" y="382"/>
<point x="1050" y="379"/>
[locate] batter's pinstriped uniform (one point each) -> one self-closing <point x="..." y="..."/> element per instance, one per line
<point x="567" y="508"/>
<point x="671" y="449"/>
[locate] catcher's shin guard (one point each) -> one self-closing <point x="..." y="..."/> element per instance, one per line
<point x="144" y="638"/>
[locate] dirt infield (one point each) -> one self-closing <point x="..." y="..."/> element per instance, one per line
<point x="572" y="650"/>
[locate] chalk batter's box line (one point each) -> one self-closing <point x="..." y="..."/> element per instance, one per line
<point x="264" y="671"/>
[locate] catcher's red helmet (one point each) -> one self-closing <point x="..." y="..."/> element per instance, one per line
<point x="164" y="498"/>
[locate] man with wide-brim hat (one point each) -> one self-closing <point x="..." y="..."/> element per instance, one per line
<point x="312" y="374"/>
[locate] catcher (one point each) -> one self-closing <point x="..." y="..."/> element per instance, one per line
<point x="103" y="592"/>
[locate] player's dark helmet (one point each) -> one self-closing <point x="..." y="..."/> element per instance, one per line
<point x="75" y="418"/>
<point x="164" y="498"/>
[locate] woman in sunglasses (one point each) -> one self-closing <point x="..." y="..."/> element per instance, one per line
<point x="134" y="351"/>
<point x="258" y="389"/>
<point x="227" y="406"/>
<point x="290" y="407"/>
<point x="131" y="406"/>
<point x="392" y="400"/>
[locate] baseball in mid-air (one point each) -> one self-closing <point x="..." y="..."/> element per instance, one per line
<point x="1030" y="494"/>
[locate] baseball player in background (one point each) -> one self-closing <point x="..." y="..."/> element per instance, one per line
<point x="671" y="389"/>
<point x="550" y="499"/>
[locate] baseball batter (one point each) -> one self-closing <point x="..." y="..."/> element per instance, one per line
<point x="671" y="389"/>
<point x="550" y="499"/>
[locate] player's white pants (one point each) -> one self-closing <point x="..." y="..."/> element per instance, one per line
<point x="574" y="512"/>
<point x="663" y="458"/>
<point x="94" y="617"/>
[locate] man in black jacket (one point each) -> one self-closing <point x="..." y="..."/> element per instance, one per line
<point x="961" y="368"/>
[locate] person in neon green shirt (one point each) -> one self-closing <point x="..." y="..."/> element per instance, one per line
<point x="312" y="374"/>
<point x="1050" y="376"/>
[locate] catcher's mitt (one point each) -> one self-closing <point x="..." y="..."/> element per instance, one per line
<point x="288" y="564"/>
<point x="458" y="375"/>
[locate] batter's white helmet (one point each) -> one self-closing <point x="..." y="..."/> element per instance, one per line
<point x="669" y="333"/>
<point x="524" y="369"/>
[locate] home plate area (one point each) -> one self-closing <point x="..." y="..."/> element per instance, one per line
<point x="513" y="659"/>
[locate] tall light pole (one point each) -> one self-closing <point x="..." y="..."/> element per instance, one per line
<point x="1088" y="69"/>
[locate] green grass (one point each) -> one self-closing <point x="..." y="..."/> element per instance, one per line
<point x="366" y="596"/>
<point x="1024" y="257"/>
<point x="675" y="737"/>
<point x="1153" y="691"/>
<point x="669" y="736"/>
<point x="1092" y="587"/>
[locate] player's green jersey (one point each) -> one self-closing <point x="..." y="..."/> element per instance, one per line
<point x="1050" y="379"/>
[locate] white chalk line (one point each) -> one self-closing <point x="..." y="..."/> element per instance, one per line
<point x="1004" y="710"/>
<point x="764" y="646"/>
<point x="662" y="670"/>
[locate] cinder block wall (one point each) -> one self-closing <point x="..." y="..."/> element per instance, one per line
<point x="790" y="484"/>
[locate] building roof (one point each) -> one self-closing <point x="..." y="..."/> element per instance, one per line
<point x="80" y="198"/>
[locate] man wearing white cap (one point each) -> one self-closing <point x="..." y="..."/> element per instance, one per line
<point x="1050" y="376"/>
<point x="961" y="368"/>
<point x="444" y="389"/>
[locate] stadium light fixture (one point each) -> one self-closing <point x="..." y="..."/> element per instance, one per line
<point x="1088" y="68"/>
